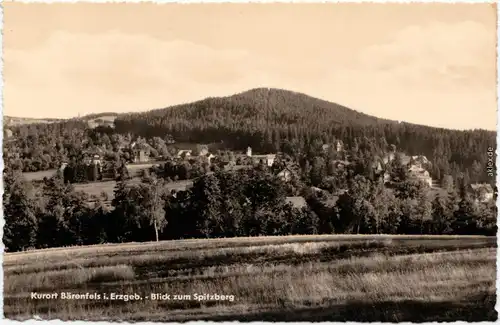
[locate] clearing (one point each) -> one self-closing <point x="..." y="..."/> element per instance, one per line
<point x="108" y="187"/>
<point x="293" y="278"/>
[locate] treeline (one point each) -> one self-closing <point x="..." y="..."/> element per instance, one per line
<point x="81" y="173"/>
<point x="197" y="166"/>
<point x="248" y="202"/>
<point x="38" y="147"/>
<point x="178" y="170"/>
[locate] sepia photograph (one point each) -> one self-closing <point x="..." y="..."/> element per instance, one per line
<point x="272" y="162"/>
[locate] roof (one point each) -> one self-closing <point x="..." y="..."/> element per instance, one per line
<point x="487" y="187"/>
<point x="297" y="201"/>
<point x="338" y="161"/>
<point x="405" y="160"/>
<point x="264" y="156"/>
<point x="417" y="169"/>
<point x="331" y="201"/>
<point x="284" y="170"/>
<point x="376" y="164"/>
<point x="181" y="152"/>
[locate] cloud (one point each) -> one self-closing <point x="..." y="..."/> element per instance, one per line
<point x="115" y="71"/>
<point x="116" y="62"/>
<point x="74" y="73"/>
<point x="436" y="52"/>
<point x="421" y="71"/>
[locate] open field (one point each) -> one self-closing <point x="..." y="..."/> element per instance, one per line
<point x="108" y="186"/>
<point x="133" y="169"/>
<point x="294" y="278"/>
<point x="10" y="121"/>
<point x="38" y="176"/>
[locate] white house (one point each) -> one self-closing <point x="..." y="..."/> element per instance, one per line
<point x="210" y="157"/>
<point x="482" y="192"/>
<point x="267" y="159"/>
<point x="141" y="156"/>
<point x="339" y="146"/>
<point x="285" y="175"/>
<point x="420" y="161"/>
<point x="184" y="153"/>
<point x="421" y="174"/>
<point x="203" y="151"/>
<point x="63" y="166"/>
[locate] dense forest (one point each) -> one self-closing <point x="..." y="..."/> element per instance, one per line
<point x="268" y="120"/>
<point x="247" y="202"/>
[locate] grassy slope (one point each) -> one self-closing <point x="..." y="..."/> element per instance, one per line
<point x="370" y="278"/>
<point x="96" y="188"/>
<point x="109" y="186"/>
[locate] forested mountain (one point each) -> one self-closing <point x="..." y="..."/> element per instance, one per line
<point x="280" y="120"/>
<point x="247" y="115"/>
<point x="268" y="120"/>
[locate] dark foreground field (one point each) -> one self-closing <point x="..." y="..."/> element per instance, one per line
<point x="298" y="278"/>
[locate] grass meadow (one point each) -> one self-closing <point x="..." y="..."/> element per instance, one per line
<point x="293" y="278"/>
<point x="108" y="187"/>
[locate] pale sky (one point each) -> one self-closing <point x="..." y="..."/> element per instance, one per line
<point x="432" y="64"/>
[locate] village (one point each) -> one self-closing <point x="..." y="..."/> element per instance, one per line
<point x="139" y="158"/>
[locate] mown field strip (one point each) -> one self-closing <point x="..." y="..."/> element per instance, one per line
<point x="271" y="278"/>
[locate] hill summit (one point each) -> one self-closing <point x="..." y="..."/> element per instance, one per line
<point x="262" y="105"/>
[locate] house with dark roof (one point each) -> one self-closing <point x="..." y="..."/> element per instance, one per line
<point x="267" y="159"/>
<point x="141" y="156"/>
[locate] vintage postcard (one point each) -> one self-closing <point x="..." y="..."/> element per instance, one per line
<point x="250" y="162"/>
